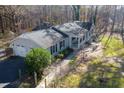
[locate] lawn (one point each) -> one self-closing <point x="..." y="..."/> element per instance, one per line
<point x="114" y="48"/>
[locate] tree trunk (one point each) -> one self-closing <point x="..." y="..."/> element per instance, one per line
<point x="1" y="24"/>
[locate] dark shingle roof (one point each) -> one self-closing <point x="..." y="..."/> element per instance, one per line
<point x="44" y="25"/>
<point x="85" y="25"/>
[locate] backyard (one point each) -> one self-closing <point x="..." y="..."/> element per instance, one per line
<point x="105" y="71"/>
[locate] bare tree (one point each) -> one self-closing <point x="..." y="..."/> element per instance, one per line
<point x="76" y="10"/>
<point x="113" y="24"/>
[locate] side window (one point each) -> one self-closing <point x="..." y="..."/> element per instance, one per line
<point x="56" y="47"/>
<point x="60" y="45"/>
<point x="83" y="37"/>
<point x="88" y="33"/>
<point x="51" y="50"/>
<point x="63" y="43"/>
<point x="80" y="40"/>
<point x="13" y="44"/>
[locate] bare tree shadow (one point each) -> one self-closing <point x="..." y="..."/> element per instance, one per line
<point x="102" y="75"/>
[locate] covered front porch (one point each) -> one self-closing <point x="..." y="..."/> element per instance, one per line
<point x="77" y="42"/>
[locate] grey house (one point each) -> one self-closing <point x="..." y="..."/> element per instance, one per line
<point x="55" y="39"/>
<point x="77" y="34"/>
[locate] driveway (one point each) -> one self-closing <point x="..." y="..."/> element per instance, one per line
<point x="9" y="71"/>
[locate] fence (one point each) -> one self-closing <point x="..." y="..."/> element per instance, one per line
<point x="6" y="52"/>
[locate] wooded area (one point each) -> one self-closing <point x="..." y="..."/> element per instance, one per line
<point x="20" y="18"/>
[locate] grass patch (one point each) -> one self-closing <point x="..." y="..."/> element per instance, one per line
<point x="113" y="47"/>
<point x="73" y="61"/>
<point x="102" y="74"/>
<point x="71" y="80"/>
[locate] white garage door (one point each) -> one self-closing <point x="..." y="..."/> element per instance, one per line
<point x="20" y="51"/>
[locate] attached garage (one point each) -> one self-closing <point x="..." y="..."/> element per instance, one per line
<point x="21" y="46"/>
<point x="19" y="50"/>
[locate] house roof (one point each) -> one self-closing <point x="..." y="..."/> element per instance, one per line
<point x="85" y="25"/>
<point x="44" y="25"/>
<point x="71" y="29"/>
<point x="44" y="38"/>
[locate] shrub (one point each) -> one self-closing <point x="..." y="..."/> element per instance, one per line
<point x="65" y="53"/>
<point x="60" y="56"/>
<point x="37" y="59"/>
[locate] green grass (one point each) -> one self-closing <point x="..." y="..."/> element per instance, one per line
<point x="71" y="80"/>
<point x="111" y="72"/>
<point x="113" y="47"/>
<point x="73" y="61"/>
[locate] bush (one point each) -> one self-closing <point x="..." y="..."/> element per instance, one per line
<point x="37" y="59"/>
<point x="73" y="61"/>
<point x="64" y="53"/>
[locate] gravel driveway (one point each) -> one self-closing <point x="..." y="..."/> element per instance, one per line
<point x="9" y="70"/>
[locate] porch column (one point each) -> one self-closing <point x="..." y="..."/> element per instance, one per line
<point x="58" y="45"/>
<point x="78" y="42"/>
<point x="70" y="41"/>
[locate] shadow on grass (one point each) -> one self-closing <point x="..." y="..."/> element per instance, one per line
<point x="103" y="75"/>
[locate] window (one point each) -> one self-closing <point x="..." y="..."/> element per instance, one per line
<point x="62" y="44"/>
<point x="89" y="33"/>
<point x="73" y="38"/>
<point x="83" y="37"/>
<point x="51" y="50"/>
<point x="80" y="40"/>
<point x="56" y="47"/>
